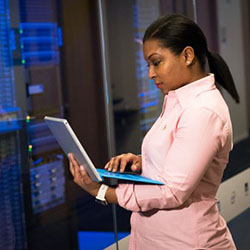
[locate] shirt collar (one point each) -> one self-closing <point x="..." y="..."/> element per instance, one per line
<point x="188" y="92"/>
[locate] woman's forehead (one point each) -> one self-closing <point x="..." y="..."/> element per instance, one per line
<point x="151" y="47"/>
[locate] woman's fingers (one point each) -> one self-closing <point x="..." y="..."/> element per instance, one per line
<point x="136" y="167"/>
<point x="107" y="165"/>
<point x="71" y="168"/>
<point x="119" y="163"/>
<point x="123" y="164"/>
<point x="73" y="160"/>
<point x="74" y="166"/>
<point x="113" y="164"/>
<point x="81" y="177"/>
<point x="84" y="175"/>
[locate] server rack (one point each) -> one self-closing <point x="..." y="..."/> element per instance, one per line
<point x="32" y="167"/>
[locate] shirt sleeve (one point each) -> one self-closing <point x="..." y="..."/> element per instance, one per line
<point x="198" y="137"/>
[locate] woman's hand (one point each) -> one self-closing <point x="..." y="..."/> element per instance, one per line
<point x="81" y="177"/>
<point x="118" y="163"/>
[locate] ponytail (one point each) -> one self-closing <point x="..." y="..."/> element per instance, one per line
<point x="222" y="74"/>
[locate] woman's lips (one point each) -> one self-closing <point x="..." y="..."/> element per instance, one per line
<point x="158" y="85"/>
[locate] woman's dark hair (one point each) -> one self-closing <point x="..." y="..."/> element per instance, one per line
<point x="176" y="32"/>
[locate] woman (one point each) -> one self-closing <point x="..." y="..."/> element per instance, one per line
<point x="187" y="148"/>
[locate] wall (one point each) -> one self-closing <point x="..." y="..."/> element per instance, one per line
<point x="234" y="195"/>
<point x="232" y="50"/>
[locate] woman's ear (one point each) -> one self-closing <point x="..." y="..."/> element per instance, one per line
<point x="188" y="55"/>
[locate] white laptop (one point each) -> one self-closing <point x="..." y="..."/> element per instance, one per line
<point x="69" y="142"/>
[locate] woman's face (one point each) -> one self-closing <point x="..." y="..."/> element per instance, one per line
<point x="169" y="71"/>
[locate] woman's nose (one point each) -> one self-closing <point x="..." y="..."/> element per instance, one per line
<point x="151" y="73"/>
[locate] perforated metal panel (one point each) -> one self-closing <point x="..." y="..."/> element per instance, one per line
<point x="7" y="92"/>
<point x="12" y="222"/>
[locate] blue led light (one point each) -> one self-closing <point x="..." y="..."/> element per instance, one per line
<point x="44" y="25"/>
<point x="142" y="94"/>
<point x="12" y="40"/>
<point x="60" y="37"/>
<point x="38" y="161"/>
<point x="40" y="43"/>
<point x="148" y="104"/>
<point x="39" y="40"/>
<point x="38" y="54"/>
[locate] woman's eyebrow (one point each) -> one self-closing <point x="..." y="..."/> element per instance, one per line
<point x="152" y="55"/>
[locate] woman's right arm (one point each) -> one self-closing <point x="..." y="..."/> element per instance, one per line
<point x="199" y="136"/>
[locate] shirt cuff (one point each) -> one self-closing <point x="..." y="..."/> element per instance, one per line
<point x="126" y="197"/>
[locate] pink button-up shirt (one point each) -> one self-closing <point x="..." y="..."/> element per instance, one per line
<point x="187" y="148"/>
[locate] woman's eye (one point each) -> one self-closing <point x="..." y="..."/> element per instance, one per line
<point x="156" y="63"/>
